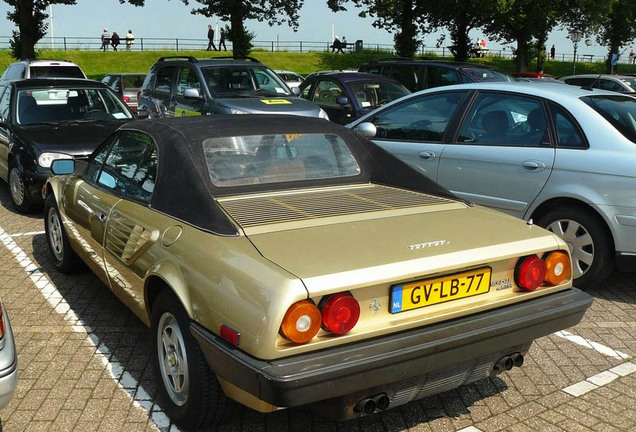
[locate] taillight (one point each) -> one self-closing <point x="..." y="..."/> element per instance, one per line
<point x="530" y="272"/>
<point x="301" y="322"/>
<point x="126" y="99"/>
<point x="340" y="313"/>
<point x="558" y="267"/>
<point x="1" y="322"/>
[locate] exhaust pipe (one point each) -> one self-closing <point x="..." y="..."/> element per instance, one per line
<point x="365" y="406"/>
<point x="504" y="363"/>
<point x="382" y="401"/>
<point x="517" y="359"/>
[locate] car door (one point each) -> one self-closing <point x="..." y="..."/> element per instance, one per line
<point x="326" y="94"/>
<point x="163" y="94"/>
<point x="187" y="78"/>
<point x="5" y="131"/>
<point x="502" y="156"/>
<point x="131" y="228"/>
<point x="414" y="130"/>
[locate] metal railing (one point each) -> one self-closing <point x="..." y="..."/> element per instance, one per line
<point x="64" y="43"/>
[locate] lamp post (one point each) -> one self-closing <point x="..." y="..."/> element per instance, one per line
<point x="575" y="35"/>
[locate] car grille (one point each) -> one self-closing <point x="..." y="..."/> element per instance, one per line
<point x="311" y="204"/>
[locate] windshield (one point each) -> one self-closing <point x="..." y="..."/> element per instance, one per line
<point x="240" y="81"/>
<point x="371" y="94"/>
<point x="620" y="111"/>
<point x="69" y="104"/>
<point x="247" y="160"/>
<point x="480" y="74"/>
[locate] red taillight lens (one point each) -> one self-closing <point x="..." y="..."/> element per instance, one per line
<point x="301" y="322"/>
<point x="558" y="267"/>
<point x="340" y="313"/>
<point x="126" y="99"/>
<point x="530" y="272"/>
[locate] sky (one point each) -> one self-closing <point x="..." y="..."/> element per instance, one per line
<point x="172" y="19"/>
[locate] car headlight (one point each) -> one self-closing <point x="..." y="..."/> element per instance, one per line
<point x="323" y="114"/>
<point x="46" y="159"/>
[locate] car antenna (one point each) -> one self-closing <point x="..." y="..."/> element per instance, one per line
<point x="591" y="86"/>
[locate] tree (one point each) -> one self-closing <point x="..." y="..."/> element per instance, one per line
<point x="30" y="18"/>
<point x="618" y="28"/>
<point x="404" y="17"/>
<point x="275" y="12"/>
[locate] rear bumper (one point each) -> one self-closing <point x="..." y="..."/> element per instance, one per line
<point x="388" y="363"/>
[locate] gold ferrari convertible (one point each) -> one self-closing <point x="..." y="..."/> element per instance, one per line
<point x="284" y="261"/>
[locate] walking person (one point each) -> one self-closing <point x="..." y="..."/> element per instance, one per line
<point x="211" y="38"/>
<point x="222" y="39"/>
<point x="105" y="39"/>
<point x="130" y="40"/>
<point x="552" y="52"/>
<point x="115" y="40"/>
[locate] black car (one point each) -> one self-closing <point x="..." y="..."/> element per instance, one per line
<point x="423" y="74"/>
<point x="181" y="86"/>
<point x="46" y="119"/>
<point x="346" y="96"/>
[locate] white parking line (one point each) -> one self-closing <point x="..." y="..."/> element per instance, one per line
<point x="124" y="379"/>
<point x="593" y="345"/>
<point x="470" y="429"/>
<point x="600" y="379"/>
<point x="27" y="234"/>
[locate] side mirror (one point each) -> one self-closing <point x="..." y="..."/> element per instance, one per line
<point x="63" y="166"/>
<point x="366" y="129"/>
<point x="142" y="114"/>
<point x="295" y="91"/>
<point x="192" y="93"/>
<point x="342" y="100"/>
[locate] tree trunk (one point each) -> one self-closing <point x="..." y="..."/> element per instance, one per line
<point x="405" y="39"/>
<point x="541" y="54"/>
<point x="26" y="40"/>
<point x="521" y="54"/>
<point x="459" y="36"/>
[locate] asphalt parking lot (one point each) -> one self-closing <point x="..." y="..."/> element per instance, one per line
<point x="84" y="363"/>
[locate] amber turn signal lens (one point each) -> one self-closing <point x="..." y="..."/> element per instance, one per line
<point x="301" y="322"/>
<point x="530" y="272"/>
<point x="558" y="267"/>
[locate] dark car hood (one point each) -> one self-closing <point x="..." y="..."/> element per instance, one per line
<point x="76" y="139"/>
<point x="271" y="105"/>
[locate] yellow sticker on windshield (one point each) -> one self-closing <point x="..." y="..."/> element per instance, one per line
<point x="292" y="136"/>
<point x="275" y="101"/>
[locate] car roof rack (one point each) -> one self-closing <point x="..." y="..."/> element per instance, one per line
<point x="246" y="58"/>
<point x="188" y="58"/>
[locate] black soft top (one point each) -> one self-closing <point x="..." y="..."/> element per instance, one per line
<point x="183" y="187"/>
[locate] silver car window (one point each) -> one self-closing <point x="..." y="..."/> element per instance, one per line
<point x="252" y="159"/>
<point x="619" y="110"/>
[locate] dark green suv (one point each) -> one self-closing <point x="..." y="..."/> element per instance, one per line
<point x="185" y="86"/>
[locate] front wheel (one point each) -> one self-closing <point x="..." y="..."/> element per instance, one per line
<point x="17" y="187"/>
<point x="589" y="241"/>
<point x="190" y="390"/>
<point x="64" y="257"/>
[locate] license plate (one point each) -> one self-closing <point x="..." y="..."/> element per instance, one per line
<point x="414" y="295"/>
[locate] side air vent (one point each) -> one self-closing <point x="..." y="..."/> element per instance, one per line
<point x="310" y="204"/>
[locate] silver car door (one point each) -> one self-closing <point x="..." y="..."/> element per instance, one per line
<point x="414" y="129"/>
<point x="502" y="156"/>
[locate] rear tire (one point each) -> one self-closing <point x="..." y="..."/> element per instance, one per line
<point x="193" y="397"/>
<point x="18" y="190"/>
<point x="64" y="257"/>
<point x="589" y="241"/>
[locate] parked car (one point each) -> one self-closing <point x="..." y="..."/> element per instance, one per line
<point x="615" y="83"/>
<point x="8" y="360"/>
<point x="423" y="74"/>
<point x="537" y="75"/>
<point x="294" y="263"/>
<point x="126" y="85"/>
<point x="186" y="86"/>
<point x="559" y="155"/>
<point x="45" y="119"/>
<point x="26" y="69"/>
<point x="345" y="96"/>
<point x="292" y="79"/>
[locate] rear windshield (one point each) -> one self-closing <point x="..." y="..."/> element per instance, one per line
<point x="480" y="74"/>
<point x="56" y="72"/>
<point x="248" y="160"/>
<point x="619" y="110"/>
<point x="630" y="82"/>
<point x="133" y="81"/>
<point x="372" y="94"/>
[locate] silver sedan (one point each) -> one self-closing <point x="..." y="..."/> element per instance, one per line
<point x="560" y="155"/>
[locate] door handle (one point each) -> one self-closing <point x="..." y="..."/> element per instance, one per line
<point x="533" y="165"/>
<point x="101" y="216"/>
<point x="426" y="155"/>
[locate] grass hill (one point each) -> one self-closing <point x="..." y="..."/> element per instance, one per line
<point x="97" y="63"/>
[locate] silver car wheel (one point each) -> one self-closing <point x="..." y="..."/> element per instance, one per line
<point x="173" y="359"/>
<point x="55" y="234"/>
<point x="579" y="241"/>
<point x="16" y="185"/>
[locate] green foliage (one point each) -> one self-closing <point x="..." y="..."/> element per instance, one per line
<point x="241" y="41"/>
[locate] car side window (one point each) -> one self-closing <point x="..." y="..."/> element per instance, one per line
<point x="128" y="169"/>
<point x="187" y="79"/>
<point x="164" y="79"/>
<point x="305" y="94"/>
<point x="95" y="164"/>
<point x="424" y="118"/>
<point x="568" y="131"/>
<point x="5" y="99"/>
<point x="438" y="76"/>
<point x="610" y="85"/>
<point x="407" y="75"/>
<point x="327" y="93"/>
<point x="503" y="118"/>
